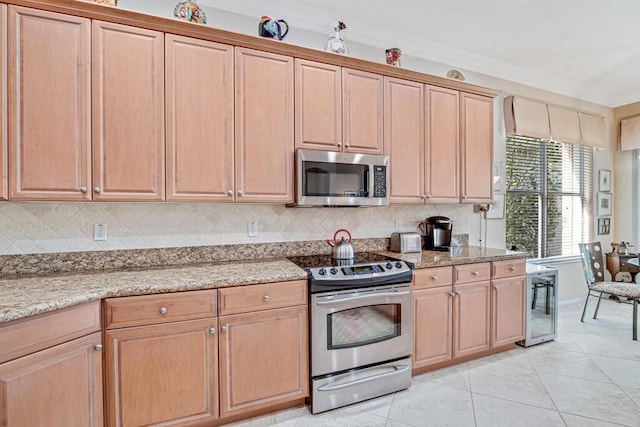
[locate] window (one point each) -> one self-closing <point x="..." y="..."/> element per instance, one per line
<point x="549" y="197"/>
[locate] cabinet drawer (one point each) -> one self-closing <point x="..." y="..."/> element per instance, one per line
<point x="471" y="272"/>
<point x="514" y="267"/>
<point x="162" y="308"/>
<point x="243" y="299"/>
<point x="30" y="335"/>
<point x="625" y="265"/>
<point x="432" y="277"/>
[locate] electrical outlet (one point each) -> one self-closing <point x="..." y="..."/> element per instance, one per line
<point x="252" y="228"/>
<point x="100" y="232"/>
<point x="480" y="208"/>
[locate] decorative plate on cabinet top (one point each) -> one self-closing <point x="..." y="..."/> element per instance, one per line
<point x="108" y="2"/>
<point x="190" y="11"/>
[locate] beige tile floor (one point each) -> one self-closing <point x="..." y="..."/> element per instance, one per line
<point x="588" y="376"/>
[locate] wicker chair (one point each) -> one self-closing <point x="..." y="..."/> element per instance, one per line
<point x="592" y="263"/>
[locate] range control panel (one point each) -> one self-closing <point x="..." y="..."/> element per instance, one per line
<point x="348" y="273"/>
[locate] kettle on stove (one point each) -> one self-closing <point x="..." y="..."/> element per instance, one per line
<point x="341" y="250"/>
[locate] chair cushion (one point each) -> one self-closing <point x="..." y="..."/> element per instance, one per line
<point x="629" y="290"/>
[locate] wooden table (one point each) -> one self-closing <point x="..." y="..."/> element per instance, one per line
<point x="619" y="264"/>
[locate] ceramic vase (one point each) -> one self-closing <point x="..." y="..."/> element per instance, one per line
<point x="336" y="42"/>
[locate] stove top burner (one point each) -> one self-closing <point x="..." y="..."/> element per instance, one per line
<point x="325" y="260"/>
<point x="367" y="270"/>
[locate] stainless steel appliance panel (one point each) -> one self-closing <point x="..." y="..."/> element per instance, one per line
<point x="360" y="327"/>
<point x="337" y="390"/>
<point x="542" y="304"/>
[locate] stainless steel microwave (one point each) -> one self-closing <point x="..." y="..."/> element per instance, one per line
<point x="328" y="178"/>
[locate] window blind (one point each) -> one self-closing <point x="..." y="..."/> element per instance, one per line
<point x="548" y="201"/>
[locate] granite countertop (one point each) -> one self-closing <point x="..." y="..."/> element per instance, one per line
<point x="23" y="296"/>
<point x="27" y="296"/>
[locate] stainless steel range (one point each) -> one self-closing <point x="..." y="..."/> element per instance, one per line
<point x="361" y="328"/>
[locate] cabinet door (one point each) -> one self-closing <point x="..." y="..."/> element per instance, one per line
<point x="442" y="145"/>
<point x="128" y="113"/>
<point x="60" y="386"/>
<point x="318" y="106"/>
<point x="49" y="105"/>
<point x="199" y="120"/>
<point x="477" y="148"/>
<point x="263" y="359"/>
<point x="404" y="139"/>
<point x="508" y="301"/>
<point x="4" y="186"/>
<point x="362" y="111"/>
<point x="471" y="318"/>
<point x="163" y="373"/>
<point x="264" y="127"/>
<point x="432" y="328"/>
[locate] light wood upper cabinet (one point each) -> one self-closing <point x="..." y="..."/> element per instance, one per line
<point x="476" y="148"/>
<point x="162" y="374"/>
<point x="442" y="146"/>
<point x="404" y="139"/>
<point x="362" y="106"/>
<point x="128" y="113"/>
<point x="49" y="105"/>
<point x="318" y="106"/>
<point x="199" y="127"/>
<point x="263" y="359"/>
<point x="264" y="127"/>
<point x="4" y="181"/>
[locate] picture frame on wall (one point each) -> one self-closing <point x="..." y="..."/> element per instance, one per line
<point x="604" y="180"/>
<point x="604" y="201"/>
<point x="604" y="225"/>
<point x="496" y="209"/>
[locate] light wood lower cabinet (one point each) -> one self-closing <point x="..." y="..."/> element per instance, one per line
<point x="263" y="359"/>
<point x="60" y="386"/>
<point x="433" y="338"/>
<point x="508" y="301"/>
<point x="471" y="318"/>
<point x="162" y="374"/>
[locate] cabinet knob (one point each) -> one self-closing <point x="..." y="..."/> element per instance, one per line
<point x="83" y="189"/>
<point x="339" y="144"/>
<point x="212" y="331"/>
<point x="96" y="190"/>
<point x="97" y="347"/>
<point x="163" y="310"/>
<point x="230" y="193"/>
<point x="429" y="196"/>
<point x="434" y="278"/>
<point x="266" y="298"/>
<point x="475" y="273"/>
<point x="347" y="145"/>
<point x="511" y="268"/>
<point x="451" y="294"/>
<point x="240" y="193"/>
<point x="424" y="196"/>
<point x="224" y="328"/>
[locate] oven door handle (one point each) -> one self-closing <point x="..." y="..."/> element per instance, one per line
<point x="357" y="297"/>
<point x="396" y="369"/>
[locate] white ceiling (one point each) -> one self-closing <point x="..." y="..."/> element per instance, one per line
<point x="587" y="49"/>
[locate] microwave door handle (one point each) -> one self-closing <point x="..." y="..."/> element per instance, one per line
<point x="367" y="180"/>
<point x="397" y="369"/>
<point x="358" y="297"/>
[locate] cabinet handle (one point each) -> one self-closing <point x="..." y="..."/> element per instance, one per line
<point x="212" y="331"/>
<point x="475" y="273"/>
<point x="230" y="193"/>
<point x="266" y="298"/>
<point x="451" y="294"/>
<point x="223" y="329"/>
<point x="83" y="189"/>
<point x="96" y="190"/>
<point x="240" y="193"/>
<point x="424" y="196"/>
<point x="347" y="145"/>
<point x="163" y="310"/>
<point x="339" y="144"/>
<point x="97" y="347"/>
<point x="434" y="278"/>
<point x="511" y="268"/>
<point x="429" y="196"/>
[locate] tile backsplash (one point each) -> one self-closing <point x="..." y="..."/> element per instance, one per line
<point x="43" y="227"/>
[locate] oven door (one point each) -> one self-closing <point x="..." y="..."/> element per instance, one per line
<point x="359" y="327"/>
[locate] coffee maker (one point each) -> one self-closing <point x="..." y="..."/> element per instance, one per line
<point x="437" y="233"/>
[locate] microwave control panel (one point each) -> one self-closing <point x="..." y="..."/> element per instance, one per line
<point x="379" y="181"/>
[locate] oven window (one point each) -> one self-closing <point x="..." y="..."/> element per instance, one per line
<point x="363" y="325"/>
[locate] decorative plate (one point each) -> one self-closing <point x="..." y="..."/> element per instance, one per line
<point x="190" y="11"/>
<point x="109" y="2"/>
